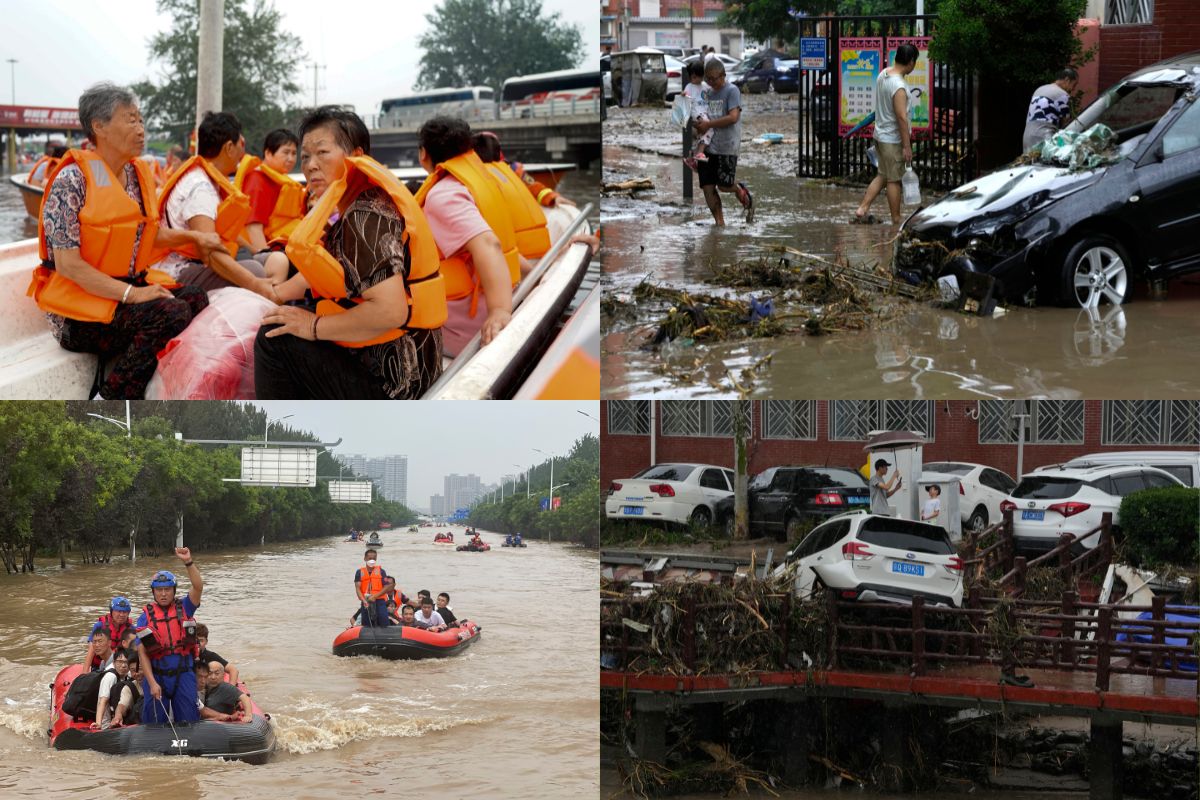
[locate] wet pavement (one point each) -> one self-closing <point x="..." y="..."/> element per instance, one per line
<point x="915" y="350"/>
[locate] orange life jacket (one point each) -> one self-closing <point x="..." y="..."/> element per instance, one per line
<point x="108" y="224"/>
<point x="370" y="580"/>
<point x="289" y="206"/>
<point x="324" y="273"/>
<point x="529" y="222"/>
<point x="51" y="162"/>
<point x="457" y="268"/>
<point x="232" y="211"/>
<point x="544" y="195"/>
<point x="169" y="634"/>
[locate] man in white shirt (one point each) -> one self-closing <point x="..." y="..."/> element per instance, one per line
<point x="192" y="205"/>
<point x="427" y="618"/>
<point x="893" y="133"/>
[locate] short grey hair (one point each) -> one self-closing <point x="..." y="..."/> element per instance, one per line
<point x="99" y="103"/>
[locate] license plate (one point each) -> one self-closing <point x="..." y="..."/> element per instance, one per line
<point x="905" y="568"/>
<point x="1034" y="515"/>
<point x="859" y="501"/>
<point x="635" y="511"/>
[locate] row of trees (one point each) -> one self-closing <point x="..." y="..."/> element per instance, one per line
<point x="70" y="483"/>
<point x="576" y="520"/>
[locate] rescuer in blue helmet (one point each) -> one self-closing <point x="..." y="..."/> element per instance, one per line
<point x="168" y="646"/>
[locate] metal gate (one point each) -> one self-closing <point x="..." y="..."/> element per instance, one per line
<point x="943" y="156"/>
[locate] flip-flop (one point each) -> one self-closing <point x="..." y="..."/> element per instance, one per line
<point x="1024" y="681"/>
<point x="749" y="204"/>
<point x="863" y="219"/>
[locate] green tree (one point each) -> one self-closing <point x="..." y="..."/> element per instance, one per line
<point x="35" y="455"/>
<point x="483" y="42"/>
<point x="1021" y="42"/>
<point x="259" y="62"/>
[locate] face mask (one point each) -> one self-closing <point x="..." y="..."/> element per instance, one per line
<point x="371" y="563"/>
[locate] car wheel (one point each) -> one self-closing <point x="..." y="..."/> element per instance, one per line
<point x="1097" y="269"/>
<point x="791" y="529"/>
<point x="978" y="520"/>
<point x="700" y="518"/>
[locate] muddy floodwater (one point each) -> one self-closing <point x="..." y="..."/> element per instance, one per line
<point x="514" y="716"/>
<point x="1142" y="349"/>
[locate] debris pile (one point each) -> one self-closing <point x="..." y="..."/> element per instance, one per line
<point x="1094" y="148"/>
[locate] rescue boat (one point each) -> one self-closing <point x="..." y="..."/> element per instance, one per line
<point x="472" y="547"/>
<point x="31" y="196"/>
<point x="252" y="742"/>
<point x="374" y="541"/>
<point x="405" y="642"/>
<point x="444" y="538"/>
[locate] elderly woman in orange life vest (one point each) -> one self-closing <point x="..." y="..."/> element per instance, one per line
<point x="366" y="269"/>
<point x="473" y="228"/>
<point x="97" y="233"/>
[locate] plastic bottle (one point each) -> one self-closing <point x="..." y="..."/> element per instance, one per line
<point x="912" y="187"/>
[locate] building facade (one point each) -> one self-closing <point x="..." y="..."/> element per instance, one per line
<point x="437" y="505"/>
<point x="1136" y="33"/>
<point x="390" y="473"/>
<point x="833" y="432"/>
<point x="460" y="491"/>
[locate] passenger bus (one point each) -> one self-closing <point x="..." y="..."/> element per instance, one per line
<point x="550" y="94"/>
<point x="474" y="104"/>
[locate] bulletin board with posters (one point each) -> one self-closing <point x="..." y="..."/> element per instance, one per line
<point x="859" y="63"/>
<point x="920" y="82"/>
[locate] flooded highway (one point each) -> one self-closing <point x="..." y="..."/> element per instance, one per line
<point x="514" y="716"/>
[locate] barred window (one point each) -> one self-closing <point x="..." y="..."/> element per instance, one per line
<point x="789" y="419"/>
<point x="1048" y="422"/>
<point x="852" y="420"/>
<point x="1165" y="422"/>
<point x="1128" y="12"/>
<point x="697" y="417"/>
<point x="629" y="416"/>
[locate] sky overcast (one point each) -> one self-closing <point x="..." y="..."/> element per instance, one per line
<point x="443" y="437"/>
<point x="92" y="43"/>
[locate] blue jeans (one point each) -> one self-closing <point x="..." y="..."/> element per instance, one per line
<point x="178" y="694"/>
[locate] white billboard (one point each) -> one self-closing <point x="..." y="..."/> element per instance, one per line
<point x="350" y="491"/>
<point x="279" y="466"/>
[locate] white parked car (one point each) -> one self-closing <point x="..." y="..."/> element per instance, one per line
<point x="684" y="494"/>
<point x="1051" y="502"/>
<point x="981" y="491"/>
<point x="875" y="558"/>
<point x="676" y="72"/>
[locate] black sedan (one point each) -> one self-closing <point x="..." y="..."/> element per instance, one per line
<point x="782" y="500"/>
<point x="1080" y="237"/>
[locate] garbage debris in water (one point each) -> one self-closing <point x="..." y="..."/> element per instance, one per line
<point x="630" y="187"/>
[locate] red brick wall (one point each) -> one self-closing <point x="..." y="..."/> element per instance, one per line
<point x="956" y="437"/>
<point x="1125" y="48"/>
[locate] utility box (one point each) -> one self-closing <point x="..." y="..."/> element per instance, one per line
<point x="903" y="450"/>
<point x="950" y="516"/>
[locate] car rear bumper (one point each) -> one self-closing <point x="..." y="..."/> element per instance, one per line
<point x="873" y="592"/>
<point x="655" y="511"/>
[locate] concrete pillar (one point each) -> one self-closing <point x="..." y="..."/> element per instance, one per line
<point x="793" y="737"/>
<point x="650" y="732"/>
<point x="1104" y="759"/>
<point x="210" y="63"/>
<point x="12" y="150"/>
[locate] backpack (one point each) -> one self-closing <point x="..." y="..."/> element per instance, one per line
<point x="81" y="698"/>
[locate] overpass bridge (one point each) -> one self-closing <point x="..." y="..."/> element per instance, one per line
<point x="565" y="137"/>
<point x="31" y="120"/>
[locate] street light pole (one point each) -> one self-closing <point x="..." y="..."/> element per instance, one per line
<point x="128" y="426"/>
<point x="13" y="66"/>
<point x="267" y="427"/>
<point x="543" y="452"/>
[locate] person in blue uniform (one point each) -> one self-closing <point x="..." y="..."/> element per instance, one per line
<point x="168" y="646"/>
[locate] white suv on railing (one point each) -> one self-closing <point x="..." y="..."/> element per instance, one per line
<point x="875" y="558"/>
<point x="1051" y="502"/>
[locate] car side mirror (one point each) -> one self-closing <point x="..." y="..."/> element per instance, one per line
<point x="1159" y="154"/>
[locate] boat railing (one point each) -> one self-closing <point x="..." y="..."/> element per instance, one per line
<point x="524" y="288"/>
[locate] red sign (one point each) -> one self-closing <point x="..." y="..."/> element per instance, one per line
<point x="58" y="119"/>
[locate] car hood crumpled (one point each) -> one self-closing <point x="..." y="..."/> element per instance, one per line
<point x="1002" y="197"/>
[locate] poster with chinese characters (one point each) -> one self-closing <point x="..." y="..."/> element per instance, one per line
<point x="920" y="83"/>
<point x="860" y="61"/>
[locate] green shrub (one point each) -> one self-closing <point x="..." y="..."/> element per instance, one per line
<point x="1162" y="526"/>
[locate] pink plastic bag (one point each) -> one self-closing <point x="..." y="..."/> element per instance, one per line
<point x="213" y="359"/>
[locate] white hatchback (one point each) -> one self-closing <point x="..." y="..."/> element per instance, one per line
<point x="981" y="491"/>
<point x="875" y="558"/>
<point x="1050" y="502"/>
<point x="685" y="494"/>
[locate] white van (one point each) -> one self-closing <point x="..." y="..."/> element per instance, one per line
<point x="1182" y="464"/>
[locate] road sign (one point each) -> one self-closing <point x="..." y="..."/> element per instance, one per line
<point x="279" y="466"/>
<point x="350" y="491"/>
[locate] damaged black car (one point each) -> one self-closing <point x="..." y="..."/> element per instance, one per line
<point x="1080" y="229"/>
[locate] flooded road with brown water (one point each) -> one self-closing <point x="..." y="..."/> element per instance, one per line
<point x="915" y="349"/>
<point x="514" y="716"/>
